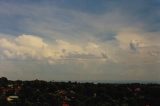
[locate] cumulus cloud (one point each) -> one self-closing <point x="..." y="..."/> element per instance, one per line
<point x="33" y="47"/>
<point x="121" y="33"/>
<point x="130" y="39"/>
<point x="30" y="41"/>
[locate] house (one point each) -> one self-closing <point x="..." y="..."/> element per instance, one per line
<point x="65" y="104"/>
<point x="12" y="98"/>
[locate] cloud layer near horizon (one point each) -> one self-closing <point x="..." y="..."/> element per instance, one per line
<point x="95" y="40"/>
<point x="33" y="47"/>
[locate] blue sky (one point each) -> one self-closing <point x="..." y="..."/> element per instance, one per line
<point x="80" y="39"/>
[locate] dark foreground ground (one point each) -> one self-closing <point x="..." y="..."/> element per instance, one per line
<point x="41" y="93"/>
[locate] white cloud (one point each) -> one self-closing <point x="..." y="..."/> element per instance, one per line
<point x="33" y="47"/>
<point x="126" y="39"/>
<point x="67" y="35"/>
<point x="30" y="41"/>
<point x="137" y="47"/>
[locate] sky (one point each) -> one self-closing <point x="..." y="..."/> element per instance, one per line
<point x="111" y="40"/>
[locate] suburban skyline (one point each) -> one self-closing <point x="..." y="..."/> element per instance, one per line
<point x="114" y="40"/>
